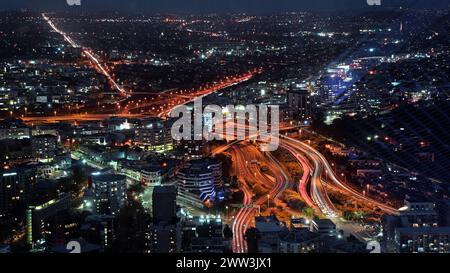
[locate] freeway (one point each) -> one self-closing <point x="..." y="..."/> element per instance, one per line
<point x="318" y="197"/>
<point x="87" y="52"/>
<point x="239" y="244"/>
<point x="317" y="173"/>
<point x="208" y="90"/>
<point x="324" y="165"/>
<point x="76" y="118"/>
<point x="161" y="105"/>
<point x="304" y="181"/>
<point x="244" y="155"/>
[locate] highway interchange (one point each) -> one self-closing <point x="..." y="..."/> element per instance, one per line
<point x="318" y="177"/>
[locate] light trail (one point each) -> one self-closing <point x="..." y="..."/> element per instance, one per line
<point x="318" y="192"/>
<point x="245" y="216"/>
<point x="302" y="185"/>
<point x="98" y="66"/>
<point x="319" y="195"/>
<point x="165" y="102"/>
<point x="239" y="244"/>
<point x="307" y="149"/>
<point x="282" y="179"/>
<point x="215" y="88"/>
<point x="77" y="118"/>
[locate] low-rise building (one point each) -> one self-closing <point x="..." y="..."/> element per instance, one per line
<point x="323" y="226"/>
<point x="300" y="241"/>
<point x="14" y="129"/>
<point x="268" y="229"/>
<point x="422" y="240"/>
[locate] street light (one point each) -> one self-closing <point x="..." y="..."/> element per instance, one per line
<point x="268" y="201"/>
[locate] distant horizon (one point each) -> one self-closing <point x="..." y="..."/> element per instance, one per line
<point x="216" y="6"/>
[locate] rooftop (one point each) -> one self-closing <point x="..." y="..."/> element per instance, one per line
<point x="109" y="177"/>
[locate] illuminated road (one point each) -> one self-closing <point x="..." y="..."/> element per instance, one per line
<point x="323" y="165"/>
<point x="317" y="173"/>
<point x="202" y="92"/>
<point x="76" y="118"/>
<point x="314" y="163"/>
<point x="97" y="65"/>
<point x="161" y="104"/>
<point x="303" y="183"/>
<point x="283" y="181"/>
<point x="318" y="195"/>
<point x="244" y="155"/>
<point x="239" y="244"/>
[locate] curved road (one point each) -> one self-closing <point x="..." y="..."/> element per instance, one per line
<point x="248" y="171"/>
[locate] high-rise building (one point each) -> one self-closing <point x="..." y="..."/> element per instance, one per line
<point x="164" y="232"/>
<point x="44" y="147"/>
<point x="203" y="234"/>
<point x="151" y="176"/>
<point x="42" y="220"/>
<point x="199" y="180"/>
<point x="98" y="229"/>
<point x="329" y="87"/>
<point x="154" y="135"/>
<point x="422" y="240"/>
<point x="163" y="237"/>
<point x="109" y="193"/>
<point x="193" y="149"/>
<point x="300" y="105"/>
<point x="164" y="204"/>
<point x="15" y="185"/>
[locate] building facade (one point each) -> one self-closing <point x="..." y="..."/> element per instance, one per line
<point x="109" y="193"/>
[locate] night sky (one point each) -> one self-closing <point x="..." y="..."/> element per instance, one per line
<point x="202" y="6"/>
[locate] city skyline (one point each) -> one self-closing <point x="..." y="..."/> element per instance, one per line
<point x="225" y="133"/>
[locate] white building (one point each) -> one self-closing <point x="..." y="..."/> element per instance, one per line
<point x="199" y="181"/>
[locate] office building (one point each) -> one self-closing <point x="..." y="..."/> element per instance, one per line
<point x="14" y="129"/>
<point x="16" y="184"/>
<point x="44" y="221"/>
<point x="164" y="232"/>
<point x="44" y="147"/>
<point x="154" y="135"/>
<point x="164" y="204"/>
<point x="203" y="234"/>
<point x="198" y="181"/>
<point x="418" y="223"/>
<point x="422" y="240"/>
<point x="163" y="237"/>
<point x="300" y="106"/>
<point x="109" y="193"/>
